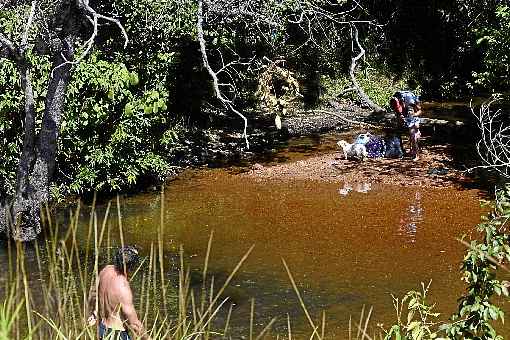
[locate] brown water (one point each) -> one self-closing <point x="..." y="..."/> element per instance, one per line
<point x="346" y="248"/>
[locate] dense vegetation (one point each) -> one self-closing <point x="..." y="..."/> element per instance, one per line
<point x="129" y="109"/>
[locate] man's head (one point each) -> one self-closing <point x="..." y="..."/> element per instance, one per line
<point x="126" y="258"/>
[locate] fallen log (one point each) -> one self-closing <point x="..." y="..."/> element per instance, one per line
<point x="324" y="120"/>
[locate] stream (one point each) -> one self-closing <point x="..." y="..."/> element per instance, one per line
<point x="349" y="246"/>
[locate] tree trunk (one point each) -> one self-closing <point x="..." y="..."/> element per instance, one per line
<point x="21" y="218"/>
<point x="28" y="152"/>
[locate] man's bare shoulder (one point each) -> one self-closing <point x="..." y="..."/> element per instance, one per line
<point x="114" y="278"/>
<point x="111" y="276"/>
<point x="109" y="268"/>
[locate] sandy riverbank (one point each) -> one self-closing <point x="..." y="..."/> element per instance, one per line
<point x="437" y="167"/>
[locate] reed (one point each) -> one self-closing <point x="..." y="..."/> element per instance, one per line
<point x="67" y="270"/>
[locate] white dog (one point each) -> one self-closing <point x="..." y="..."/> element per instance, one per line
<point x="353" y="151"/>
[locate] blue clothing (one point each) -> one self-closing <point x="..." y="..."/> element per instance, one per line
<point x="362" y="139"/>
<point x="393" y="147"/>
<point x="412" y="122"/>
<point x="104" y="332"/>
<point x="375" y="147"/>
<point x="409" y="100"/>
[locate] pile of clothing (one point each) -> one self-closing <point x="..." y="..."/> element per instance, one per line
<point x="380" y="146"/>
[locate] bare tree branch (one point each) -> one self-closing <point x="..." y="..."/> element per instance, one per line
<point x="16" y="53"/>
<point x="93" y="18"/>
<point x="352" y="71"/>
<point x="320" y="24"/>
<point x="494" y="145"/>
<point x="214" y="75"/>
<point x="24" y="39"/>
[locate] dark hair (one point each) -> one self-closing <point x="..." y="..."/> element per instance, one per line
<point x="126" y="256"/>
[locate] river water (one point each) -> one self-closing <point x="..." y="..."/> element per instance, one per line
<point x="347" y="246"/>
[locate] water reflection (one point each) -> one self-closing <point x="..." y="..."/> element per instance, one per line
<point x="362" y="187"/>
<point x="343" y="247"/>
<point x="411" y="218"/>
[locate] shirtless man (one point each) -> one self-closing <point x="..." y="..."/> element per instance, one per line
<point x="115" y="299"/>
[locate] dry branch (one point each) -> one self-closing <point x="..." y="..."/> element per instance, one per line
<point x="352" y="70"/>
<point x="319" y="22"/>
<point x="494" y="145"/>
<point x="227" y="103"/>
<point x="93" y="17"/>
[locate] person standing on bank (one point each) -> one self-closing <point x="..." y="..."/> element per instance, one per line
<point x="406" y="106"/>
<point x="117" y="313"/>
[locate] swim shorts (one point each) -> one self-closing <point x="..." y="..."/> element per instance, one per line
<point x="104" y="333"/>
<point x="412" y="122"/>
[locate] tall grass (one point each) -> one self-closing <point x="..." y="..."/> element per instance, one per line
<point x="53" y="301"/>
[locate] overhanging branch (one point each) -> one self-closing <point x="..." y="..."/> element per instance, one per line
<point x="352" y="70"/>
<point x="93" y="18"/>
<point x="214" y="75"/>
<point x="494" y="145"/>
<point x="24" y="39"/>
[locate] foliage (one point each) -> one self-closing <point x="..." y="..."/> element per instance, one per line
<point x="480" y="268"/>
<point x="494" y="40"/>
<point x="378" y="85"/>
<point x="417" y="324"/>
<point x="10" y="138"/>
<point x="9" y="312"/>
<point x="112" y="136"/>
<point x="277" y="88"/>
<point x="156" y="28"/>
<point x="333" y="87"/>
<point x="435" y="45"/>
<point x="112" y="132"/>
<point x="11" y="114"/>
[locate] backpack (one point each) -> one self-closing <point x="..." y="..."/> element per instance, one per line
<point x="393" y="148"/>
<point x="396" y="105"/>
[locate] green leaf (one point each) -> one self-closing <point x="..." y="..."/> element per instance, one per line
<point x="481" y="40"/>
<point x="128" y="109"/>
<point x="493" y="311"/>
<point x="504" y="289"/>
<point x="133" y="79"/>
